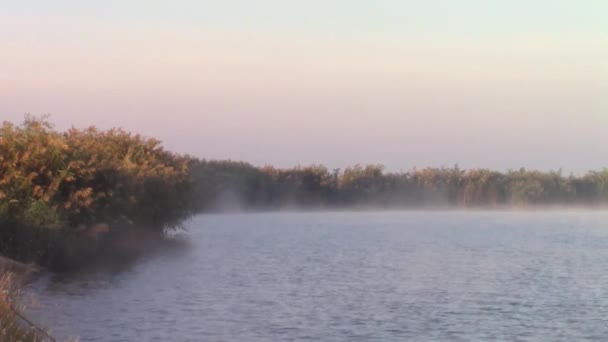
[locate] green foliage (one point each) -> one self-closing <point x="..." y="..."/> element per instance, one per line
<point x="39" y="215"/>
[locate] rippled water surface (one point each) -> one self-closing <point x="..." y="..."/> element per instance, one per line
<point x="367" y="276"/>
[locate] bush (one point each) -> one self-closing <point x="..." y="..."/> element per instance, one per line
<point x="57" y="185"/>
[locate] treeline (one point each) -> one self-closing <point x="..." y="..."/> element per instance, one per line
<point x="230" y="184"/>
<point x="67" y="195"/>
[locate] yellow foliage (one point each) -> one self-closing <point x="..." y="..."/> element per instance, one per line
<point x="79" y="170"/>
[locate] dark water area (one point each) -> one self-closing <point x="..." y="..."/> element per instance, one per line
<point x="349" y="276"/>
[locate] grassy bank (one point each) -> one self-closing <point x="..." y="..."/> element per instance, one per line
<point x="14" y="326"/>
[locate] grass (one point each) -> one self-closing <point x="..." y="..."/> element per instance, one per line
<point x="13" y="324"/>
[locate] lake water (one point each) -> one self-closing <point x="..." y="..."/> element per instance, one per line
<point x="344" y="276"/>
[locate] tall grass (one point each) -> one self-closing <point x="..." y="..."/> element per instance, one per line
<point x="12" y="325"/>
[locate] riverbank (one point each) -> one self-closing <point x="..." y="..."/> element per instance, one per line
<point x="68" y="198"/>
<point x="17" y="268"/>
<point x="85" y="197"/>
<point x="15" y="326"/>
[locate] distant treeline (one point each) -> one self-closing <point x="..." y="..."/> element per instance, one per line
<point x="65" y="195"/>
<point x="219" y="184"/>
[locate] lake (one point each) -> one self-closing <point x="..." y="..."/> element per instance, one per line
<point x="349" y="276"/>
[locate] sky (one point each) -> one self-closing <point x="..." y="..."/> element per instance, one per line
<point x="492" y="84"/>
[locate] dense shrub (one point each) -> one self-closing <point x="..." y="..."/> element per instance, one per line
<point x="57" y="185"/>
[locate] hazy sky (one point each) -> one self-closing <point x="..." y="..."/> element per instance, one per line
<point x="498" y="84"/>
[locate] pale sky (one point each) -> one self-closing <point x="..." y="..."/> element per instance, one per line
<point x="481" y="83"/>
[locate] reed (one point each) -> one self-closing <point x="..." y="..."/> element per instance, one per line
<point x="14" y="326"/>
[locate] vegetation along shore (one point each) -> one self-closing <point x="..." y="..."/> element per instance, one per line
<point x="67" y="196"/>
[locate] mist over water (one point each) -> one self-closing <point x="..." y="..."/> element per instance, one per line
<point x="390" y="170"/>
<point x="350" y="276"/>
